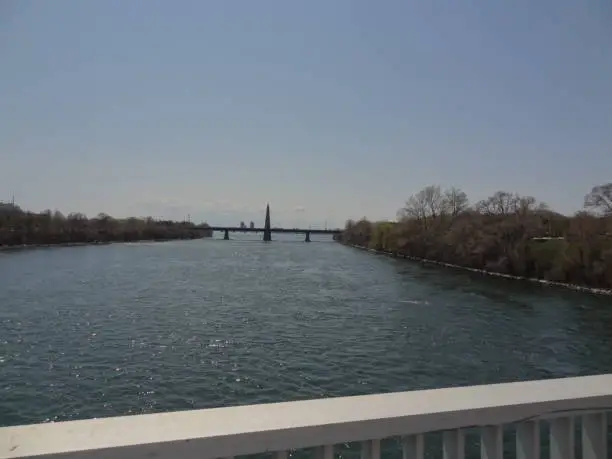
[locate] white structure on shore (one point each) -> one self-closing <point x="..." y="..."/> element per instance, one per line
<point x="563" y="404"/>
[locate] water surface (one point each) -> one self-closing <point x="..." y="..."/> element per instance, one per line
<point x="137" y="328"/>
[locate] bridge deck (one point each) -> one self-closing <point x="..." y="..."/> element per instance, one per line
<point x="237" y="229"/>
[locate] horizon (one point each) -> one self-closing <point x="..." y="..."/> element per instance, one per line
<point x="257" y="223"/>
<point x="330" y="112"/>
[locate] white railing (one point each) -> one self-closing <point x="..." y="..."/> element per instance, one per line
<point x="323" y="423"/>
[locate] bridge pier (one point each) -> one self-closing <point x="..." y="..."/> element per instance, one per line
<point x="307" y="236"/>
<point x="226" y="235"/>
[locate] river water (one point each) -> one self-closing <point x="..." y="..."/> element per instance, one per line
<point x="147" y="327"/>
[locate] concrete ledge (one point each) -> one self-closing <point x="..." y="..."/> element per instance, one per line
<point x="222" y="432"/>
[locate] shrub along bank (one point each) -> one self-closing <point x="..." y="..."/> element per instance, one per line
<point x="506" y="233"/>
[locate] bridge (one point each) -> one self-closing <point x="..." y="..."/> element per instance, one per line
<point x="510" y="419"/>
<point x="267" y="230"/>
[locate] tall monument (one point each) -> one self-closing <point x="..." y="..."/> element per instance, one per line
<point x="267" y="236"/>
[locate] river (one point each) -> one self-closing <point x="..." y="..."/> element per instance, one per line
<point x="147" y="327"/>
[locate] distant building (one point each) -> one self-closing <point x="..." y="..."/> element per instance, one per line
<point x="252" y="225"/>
<point x="8" y="208"/>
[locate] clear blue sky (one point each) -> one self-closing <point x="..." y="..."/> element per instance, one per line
<point x="327" y="109"/>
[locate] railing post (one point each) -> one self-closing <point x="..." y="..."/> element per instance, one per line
<point x="491" y="442"/>
<point x="370" y="449"/>
<point x="413" y="447"/>
<point x="528" y="440"/>
<point x="453" y="446"/>
<point x="325" y="452"/>
<point x="375" y="451"/>
<point x="562" y="438"/>
<point x="594" y="436"/>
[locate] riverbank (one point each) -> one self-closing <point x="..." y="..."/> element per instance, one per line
<point x="544" y="282"/>
<point x="22" y="229"/>
<point x="10" y="248"/>
<point x="524" y="243"/>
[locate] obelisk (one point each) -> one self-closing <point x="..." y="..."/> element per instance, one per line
<point x="267" y="237"/>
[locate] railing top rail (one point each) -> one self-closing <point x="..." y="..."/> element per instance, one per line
<point x="233" y="431"/>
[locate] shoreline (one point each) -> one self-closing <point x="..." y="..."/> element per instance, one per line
<point x="543" y="282"/>
<point x="11" y="248"/>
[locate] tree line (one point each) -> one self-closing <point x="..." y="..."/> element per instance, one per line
<point x="505" y="233"/>
<point x="18" y="227"/>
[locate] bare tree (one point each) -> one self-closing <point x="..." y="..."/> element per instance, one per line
<point x="415" y="208"/>
<point x="433" y="200"/>
<point x="76" y="220"/>
<point x="455" y="201"/>
<point x="528" y="204"/>
<point x="599" y="200"/>
<point x="77" y="216"/>
<point x="501" y="203"/>
<point x="427" y="203"/>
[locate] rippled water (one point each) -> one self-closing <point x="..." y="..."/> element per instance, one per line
<point x="132" y="328"/>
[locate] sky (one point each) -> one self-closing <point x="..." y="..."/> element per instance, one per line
<point x="326" y="109"/>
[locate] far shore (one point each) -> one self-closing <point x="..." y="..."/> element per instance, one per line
<point x="10" y="248"/>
